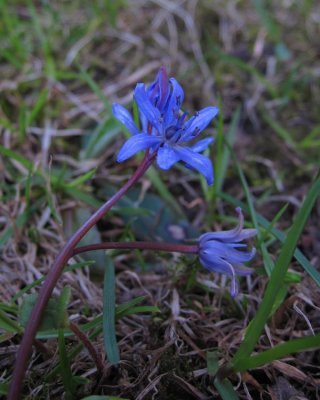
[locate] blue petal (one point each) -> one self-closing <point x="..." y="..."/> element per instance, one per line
<point x="144" y="122"/>
<point x="164" y="88"/>
<point x="167" y="157"/>
<point x="198" y="123"/>
<point x="225" y="268"/>
<point x="159" y="89"/>
<point x="214" y="264"/>
<point x="172" y="108"/>
<point x="146" y="108"/>
<point x="201" y="145"/>
<point x="224" y="236"/>
<point x="197" y="161"/>
<point x="136" y="143"/>
<point x="214" y="248"/>
<point x="234" y="235"/>
<point x="241" y="270"/>
<point x="125" y="118"/>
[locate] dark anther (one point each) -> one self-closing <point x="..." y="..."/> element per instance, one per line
<point x="170" y="132"/>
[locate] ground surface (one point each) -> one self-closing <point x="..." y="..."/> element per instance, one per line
<point x="62" y="65"/>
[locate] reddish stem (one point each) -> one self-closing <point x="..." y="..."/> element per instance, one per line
<point x="170" y="247"/>
<point x="53" y="276"/>
<point x="87" y="343"/>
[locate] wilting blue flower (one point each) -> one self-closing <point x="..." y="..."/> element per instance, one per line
<point x="165" y="129"/>
<point x="220" y="252"/>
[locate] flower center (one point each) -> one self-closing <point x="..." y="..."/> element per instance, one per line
<point x="172" y="134"/>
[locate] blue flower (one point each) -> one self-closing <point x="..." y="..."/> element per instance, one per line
<point x="165" y="129"/>
<point x="220" y="252"/>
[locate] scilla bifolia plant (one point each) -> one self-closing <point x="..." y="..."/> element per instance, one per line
<point x="165" y="134"/>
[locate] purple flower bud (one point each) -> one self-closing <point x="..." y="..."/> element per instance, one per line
<point x="222" y="252"/>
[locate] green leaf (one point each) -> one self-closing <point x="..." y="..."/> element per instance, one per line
<point x="65" y="367"/>
<point x="39" y="104"/>
<point x="279" y="351"/>
<point x="81" y="179"/>
<point x="52" y="315"/>
<point x="17" y="157"/>
<point x="225" y="389"/>
<point x="162" y="189"/>
<point x="268" y="263"/>
<point x="86" y="77"/>
<point x="103" y="398"/>
<point x="6" y="336"/>
<point x="281" y="132"/>
<point x="136" y="310"/>
<point x="109" y="305"/>
<point x="267" y="19"/>
<point x="277" y="277"/>
<point x="97" y="141"/>
<point x="83" y="196"/>
<point x="8" y="324"/>
<point x="63" y="302"/>
<point x="4" y="387"/>
<point x="212" y="362"/>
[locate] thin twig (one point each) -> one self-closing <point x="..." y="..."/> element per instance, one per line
<point x="89" y="346"/>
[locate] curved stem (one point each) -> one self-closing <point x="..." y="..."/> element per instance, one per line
<point x="53" y="276"/>
<point x="89" y="346"/>
<point x="170" y="247"/>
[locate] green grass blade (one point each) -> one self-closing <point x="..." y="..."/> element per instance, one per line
<point x="44" y="39"/>
<point x="95" y="88"/>
<point x="281" y="132"/>
<point x="277" y="277"/>
<point x="17" y="157"/>
<point x="307" y="343"/>
<point x="8" y="324"/>
<point x="39" y="104"/>
<point x="224" y="386"/>
<point x="273" y="222"/>
<point x="267" y="19"/>
<point x="154" y="177"/>
<point x="4" y="387"/>
<point x="63" y="301"/>
<point x="83" y="197"/>
<point x="95" y="397"/>
<point x="225" y="389"/>
<point x="65" y="368"/>
<point x="109" y="306"/>
<point x="100" y="137"/>
<point x="81" y="179"/>
<point x="309" y="141"/>
<point x="224" y="156"/>
<point x="268" y="263"/>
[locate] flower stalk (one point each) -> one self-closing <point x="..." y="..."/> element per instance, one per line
<point x="53" y="276"/>
<point x="170" y="247"/>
